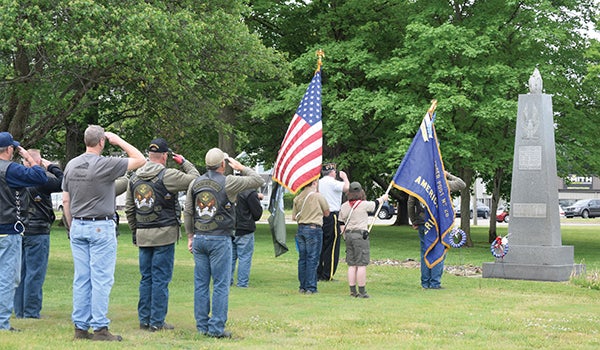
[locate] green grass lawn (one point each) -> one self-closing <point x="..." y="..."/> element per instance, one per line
<point x="470" y="313"/>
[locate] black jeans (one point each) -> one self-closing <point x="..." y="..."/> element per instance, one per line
<point x="330" y="252"/>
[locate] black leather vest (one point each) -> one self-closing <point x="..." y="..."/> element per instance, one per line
<point x="41" y="213"/>
<point x="154" y="205"/>
<point x="14" y="203"/>
<point x="214" y="214"/>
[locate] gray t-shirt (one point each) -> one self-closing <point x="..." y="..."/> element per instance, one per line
<point x="90" y="181"/>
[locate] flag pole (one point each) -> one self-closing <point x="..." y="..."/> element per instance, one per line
<point x="379" y="208"/>
<point x="430" y="113"/>
<point x="320" y="54"/>
<point x="432" y="107"/>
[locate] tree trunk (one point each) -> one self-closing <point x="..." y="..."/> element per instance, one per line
<point x="465" y="206"/>
<point x="20" y="100"/>
<point x="492" y="234"/>
<point x="11" y="110"/>
<point x="74" y="144"/>
<point x="226" y="133"/>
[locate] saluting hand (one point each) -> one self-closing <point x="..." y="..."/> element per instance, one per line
<point x="112" y="138"/>
<point x="234" y="164"/>
<point x="178" y="158"/>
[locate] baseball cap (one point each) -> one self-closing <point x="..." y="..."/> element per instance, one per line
<point x="214" y="157"/>
<point x="159" y="145"/>
<point x="355" y="187"/>
<point x="6" y="140"/>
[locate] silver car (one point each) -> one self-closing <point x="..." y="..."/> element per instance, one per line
<point x="586" y="208"/>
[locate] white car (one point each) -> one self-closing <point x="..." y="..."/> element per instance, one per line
<point x="561" y="212"/>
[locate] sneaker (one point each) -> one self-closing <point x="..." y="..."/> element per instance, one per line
<point x="363" y="295"/>
<point x="11" y="329"/>
<point x="82" y="334"/>
<point x="309" y="292"/>
<point x="302" y="291"/>
<point x="225" y="334"/>
<point x="103" y="334"/>
<point x="144" y="326"/>
<point x="165" y="326"/>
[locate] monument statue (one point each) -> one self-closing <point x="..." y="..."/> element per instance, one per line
<point x="535" y="244"/>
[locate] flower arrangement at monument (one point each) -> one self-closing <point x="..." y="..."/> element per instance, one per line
<point x="499" y="247"/>
<point x="457" y="238"/>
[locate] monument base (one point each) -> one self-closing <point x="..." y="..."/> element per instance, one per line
<point x="537" y="263"/>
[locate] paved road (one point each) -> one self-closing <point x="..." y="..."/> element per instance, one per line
<point x="480" y="221"/>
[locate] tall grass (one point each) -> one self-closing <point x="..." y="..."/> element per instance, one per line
<point x="470" y="313"/>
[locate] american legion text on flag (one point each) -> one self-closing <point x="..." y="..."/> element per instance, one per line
<point x="299" y="159"/>
<point x="421" y="174"/>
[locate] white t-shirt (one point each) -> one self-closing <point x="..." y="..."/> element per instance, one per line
<point x="332" y="190"/>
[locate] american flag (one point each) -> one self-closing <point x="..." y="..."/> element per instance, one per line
<point x="299" y="160"/>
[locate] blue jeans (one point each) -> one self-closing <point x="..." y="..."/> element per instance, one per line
<point x="34" y="264"/>
<point x="430" y="278"/>
<point x="212" y="258"/>
<point x="309" y="241"/>
<point x="242" y="250"/>
<point x="156" y="268"/>
<point x="94" y="249"/>
<point x="10" y="268"/>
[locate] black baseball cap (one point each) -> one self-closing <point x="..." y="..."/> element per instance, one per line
<point x="159" y="145"/>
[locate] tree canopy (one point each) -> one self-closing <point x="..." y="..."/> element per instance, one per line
<point x="385" y="61"/>
<point x="232" y="73"/>
<point x="152" y="68"/>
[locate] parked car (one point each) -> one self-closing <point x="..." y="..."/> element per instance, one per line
<point x="386" y="212"/>
<point x="57" y="202"/>
<point x="503" y="215"/>
<point x="566" y="202"/>
<point x="586" y="208"/>
<point x="483" y="211"/>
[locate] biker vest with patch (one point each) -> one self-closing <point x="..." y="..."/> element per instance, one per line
<point x="41" y="214"/>
<point x="214" y="214"/>
<point x="14" y="202"/>
<point x="154" y="205"/>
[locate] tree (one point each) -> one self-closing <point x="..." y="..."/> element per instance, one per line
<point x="143" y="68"/>
<point x="382" y="69"/>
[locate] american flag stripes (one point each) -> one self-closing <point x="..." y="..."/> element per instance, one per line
<point x="300" y="156"/>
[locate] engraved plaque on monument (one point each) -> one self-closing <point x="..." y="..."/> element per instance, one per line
<point x="535" y="244"/>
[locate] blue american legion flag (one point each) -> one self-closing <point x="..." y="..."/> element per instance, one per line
<point x="300" y="156"/>
<point x="421" y="174"/>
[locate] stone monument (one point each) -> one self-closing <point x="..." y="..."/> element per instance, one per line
<point x="535" y="250"/>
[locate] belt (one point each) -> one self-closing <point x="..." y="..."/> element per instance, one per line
<point x="101" y="218"/>
<point x="311" y="225"/>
